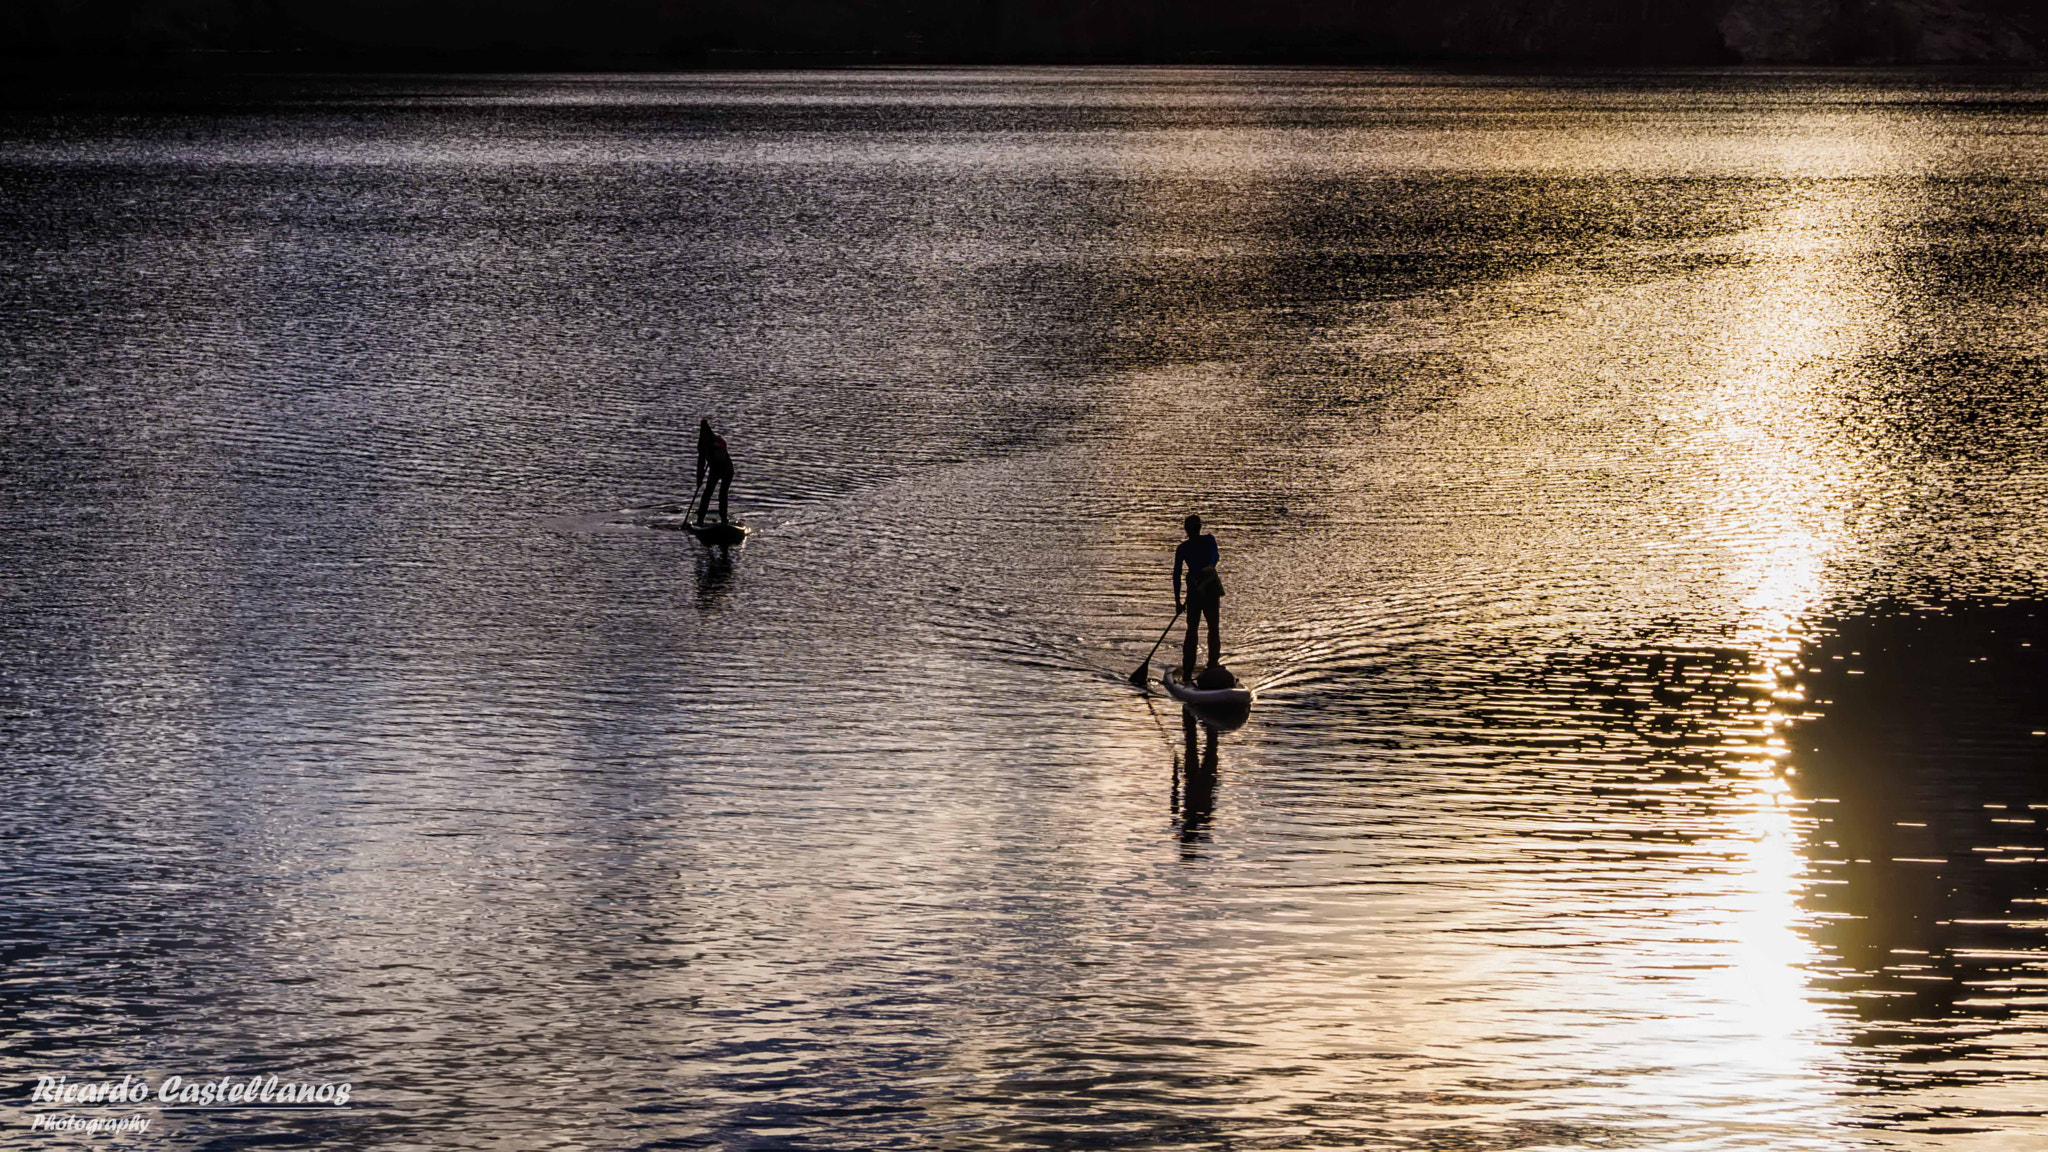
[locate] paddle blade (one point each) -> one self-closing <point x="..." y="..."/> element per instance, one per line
<point x="1144" y="671"/>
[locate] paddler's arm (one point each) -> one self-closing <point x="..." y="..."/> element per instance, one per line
<point x="1176" y="579"/>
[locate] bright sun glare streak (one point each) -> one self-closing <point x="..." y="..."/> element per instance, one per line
<point x="1766" y="980"/>
<point x="1777" y="482"/>
<point x="1807" y="300"/>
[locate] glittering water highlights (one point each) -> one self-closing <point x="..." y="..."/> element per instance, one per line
<point x="1632" y="507"/>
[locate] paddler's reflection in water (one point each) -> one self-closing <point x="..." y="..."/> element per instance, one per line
<point x="1194" y="780"/>
<point x="714" y="577"/>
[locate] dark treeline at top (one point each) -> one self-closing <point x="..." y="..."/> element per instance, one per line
<point x="740" y="32"/>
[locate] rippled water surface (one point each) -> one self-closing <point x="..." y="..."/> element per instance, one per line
<point x="1632" y="504"/>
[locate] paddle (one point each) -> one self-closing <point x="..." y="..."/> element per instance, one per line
<point x="1145" y="669"/>
<point x="692" y="501"/>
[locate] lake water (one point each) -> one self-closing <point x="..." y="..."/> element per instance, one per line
<point x="1632" y="502"/>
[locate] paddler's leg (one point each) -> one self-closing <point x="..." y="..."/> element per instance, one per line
<point x="1212" y="609"/>
<point x="704" y="505"/>
<point x="1187" y="650"/>
<point x="724" y="490"/>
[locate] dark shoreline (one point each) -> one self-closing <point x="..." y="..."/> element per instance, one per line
<point x="268" y="63"/>
<point x="644" y="35"/>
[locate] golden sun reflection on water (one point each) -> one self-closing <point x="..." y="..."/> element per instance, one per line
<point x="1808" y="299"/>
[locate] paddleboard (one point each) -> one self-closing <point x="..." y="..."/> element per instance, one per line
<point x="716" y="534"/>
<point x="1217" y="699"/>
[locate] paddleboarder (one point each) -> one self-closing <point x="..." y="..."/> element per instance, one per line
<point x="1204" y="593"/>
<point x="713" y="459"/>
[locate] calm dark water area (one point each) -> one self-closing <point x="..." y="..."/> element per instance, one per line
<point x="1632" y="504"/>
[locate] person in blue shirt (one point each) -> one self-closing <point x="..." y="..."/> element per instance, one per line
<point x="1204" y="593"/>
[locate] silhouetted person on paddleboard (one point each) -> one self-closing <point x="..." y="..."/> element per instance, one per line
<point x="712" y="459"/>
<point x="1205" y="593"/>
